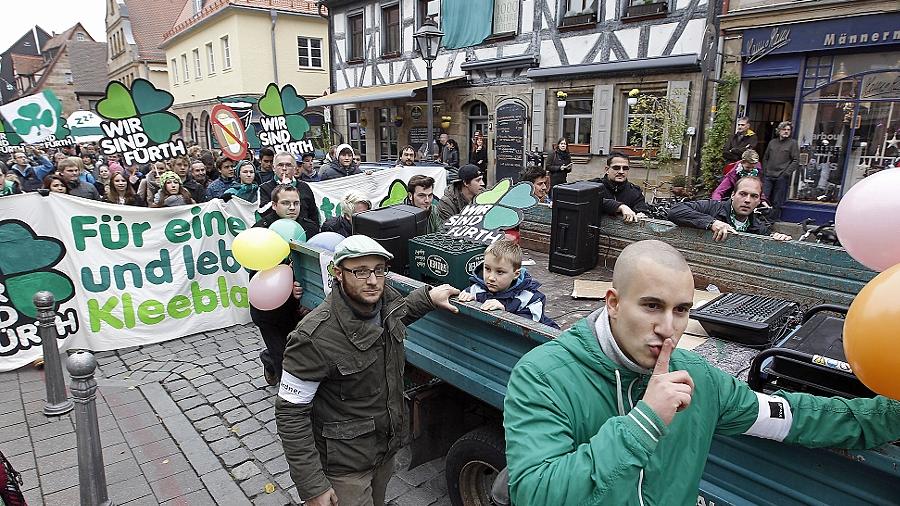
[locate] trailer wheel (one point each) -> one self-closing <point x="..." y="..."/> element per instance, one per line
<point x="472" y="464"/>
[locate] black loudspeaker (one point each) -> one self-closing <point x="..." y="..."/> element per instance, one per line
<point x="575" y="227"/>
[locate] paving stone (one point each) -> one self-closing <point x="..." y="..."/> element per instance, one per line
<point x="225" y="445"/>
<point x="236" y="415"/>
<point x="245" y="471"/>
<point x="177" y="485"/>
<point x="199" y="413"/>
<point x="161" y="468"/>
<point x="235" y="457"/>
<point x="198" y="498"/>
<point x="191" y="402"/>
<point x="122" y="471"/>
<point x="268" y="452"/>
<point x="227" y="404"/>
<point x="277" y="465"/>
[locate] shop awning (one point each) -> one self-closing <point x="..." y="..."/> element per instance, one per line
<point x="638" y="66"/>
<point x="374" y="93"/>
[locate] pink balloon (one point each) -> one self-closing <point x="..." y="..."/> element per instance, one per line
<point x="269" y="289"/>
<point x="868" y="220"/>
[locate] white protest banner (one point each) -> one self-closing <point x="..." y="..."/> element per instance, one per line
<point x="122" y="276"/>
<point x="382" y="187"/>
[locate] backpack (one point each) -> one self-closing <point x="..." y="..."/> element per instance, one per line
<point x="10" y="481"/>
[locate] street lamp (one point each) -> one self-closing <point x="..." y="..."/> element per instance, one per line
<point x="428" y="42"/>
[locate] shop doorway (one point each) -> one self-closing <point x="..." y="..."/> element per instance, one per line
<point x="769" y="102"/>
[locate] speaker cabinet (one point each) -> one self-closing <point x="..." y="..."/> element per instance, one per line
<point x="575" y="227"/>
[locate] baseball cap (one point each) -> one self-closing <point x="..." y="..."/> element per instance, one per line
<point x="467" y="173"/>
<point x="357" y="246"/>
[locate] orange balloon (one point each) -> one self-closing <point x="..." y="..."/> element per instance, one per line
<point x="872" y="334"/>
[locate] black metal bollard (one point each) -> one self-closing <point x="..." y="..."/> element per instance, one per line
<point x="57" y="402"/>
<point x="91" y="473"/>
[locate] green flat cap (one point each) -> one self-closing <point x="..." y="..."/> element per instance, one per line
<point x="357" y="246"/>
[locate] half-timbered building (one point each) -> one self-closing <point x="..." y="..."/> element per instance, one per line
<point x="505" y="83"/>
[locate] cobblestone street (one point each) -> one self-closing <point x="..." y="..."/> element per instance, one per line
<point x="189" y="421"/>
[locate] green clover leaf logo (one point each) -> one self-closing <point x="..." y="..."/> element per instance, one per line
<point x="26" y="262"/>
<point x="507" y="203"/>
<point x="396" y="194"/>
<point x="144" y="101"/>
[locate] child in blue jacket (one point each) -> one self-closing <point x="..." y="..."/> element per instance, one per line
<point x="504" y="284"/>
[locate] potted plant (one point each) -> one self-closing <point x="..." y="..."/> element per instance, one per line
<point x="445" y="122"/>
<point x="679" y="183"/>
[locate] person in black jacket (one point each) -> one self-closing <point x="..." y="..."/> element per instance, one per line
<point x="285" y="172"/>
<point x="619" y="196"/>
<point x="275" y="325"/>
<point x="728" y="216"/>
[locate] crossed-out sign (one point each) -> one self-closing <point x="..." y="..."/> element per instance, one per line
<point x="229" y="131"/>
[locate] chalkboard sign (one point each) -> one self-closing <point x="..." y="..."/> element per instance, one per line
<point x="510" y="141"/>
<point x="418" y="136"/>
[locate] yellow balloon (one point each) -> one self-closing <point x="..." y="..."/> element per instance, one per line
<point x="259" y="249"/>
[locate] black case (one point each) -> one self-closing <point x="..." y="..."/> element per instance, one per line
<point x="574" y="227"/>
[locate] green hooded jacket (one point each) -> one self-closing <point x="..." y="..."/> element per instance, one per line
<point x="570" y="439"/>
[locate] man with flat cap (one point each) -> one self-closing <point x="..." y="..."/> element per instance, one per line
<point x="340" y="407"/>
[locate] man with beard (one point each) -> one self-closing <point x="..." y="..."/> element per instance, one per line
<point x="727" y="217"/>
<point x="340" y="405"/>
<point x="620" y="196"/>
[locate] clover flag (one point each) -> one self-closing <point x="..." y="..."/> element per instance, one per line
<point x="36" y="118"/>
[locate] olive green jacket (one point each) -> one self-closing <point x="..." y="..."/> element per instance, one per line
<point x="356" y="419"/>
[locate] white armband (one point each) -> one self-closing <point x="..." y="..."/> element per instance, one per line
<point x="773" y="418"/>
<point x="296" y="390"/>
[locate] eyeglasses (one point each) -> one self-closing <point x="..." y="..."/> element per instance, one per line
<point x="364" y="273"/>
<point x="619" y="168"/>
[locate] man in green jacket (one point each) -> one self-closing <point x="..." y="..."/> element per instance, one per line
<point x="611" y="413"/>
<point x="340" y="408"/>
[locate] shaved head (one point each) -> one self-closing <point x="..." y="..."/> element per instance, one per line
<point x="638" y="255"/>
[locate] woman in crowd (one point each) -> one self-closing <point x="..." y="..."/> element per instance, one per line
<point x="479" y="155"/>
<point x="560" y="163"/>
<point x="103" y="179"/>
<point x="352" y="203"/>
<point x="121" y="192"/>
<point x="55" y="184"/>
<point x="171" y="193"/>
<point x="247" y="186"/>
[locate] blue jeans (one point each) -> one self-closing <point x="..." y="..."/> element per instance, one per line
<point x="776" y="189"/>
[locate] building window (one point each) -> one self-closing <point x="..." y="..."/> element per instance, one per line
<point x="226" y="53"/>
<point x="578" y="12"/>
<point x="356" y="133"/>
<point x="80" y="36"/>
<point x="390" y="30"/>
<point x="174" y="70"/>
<point x="309" y="52"/>
<point x="638" y="127"/>
<point x="210" y="59"/>
<point x="197" y="70"/>
<point x="387" y="134"/>
<point x="355" y="49"/>
<point x="186" y="76"/>
<point x="577" y="119"/>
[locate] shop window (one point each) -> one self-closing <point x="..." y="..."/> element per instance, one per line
<point x="356" y="133"/>
<point x="390" y="30"/>
<point x="388" y="147"/>
<point x="577" y="119"/>
<point x="578" y="12"/>
<point x="356" y="37"/>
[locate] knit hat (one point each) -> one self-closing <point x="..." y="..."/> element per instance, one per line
<point x="167" y="176"/>
<point x="357" y="246"/>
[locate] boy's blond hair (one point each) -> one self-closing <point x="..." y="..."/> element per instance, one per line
<point x="506" y="250"/>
